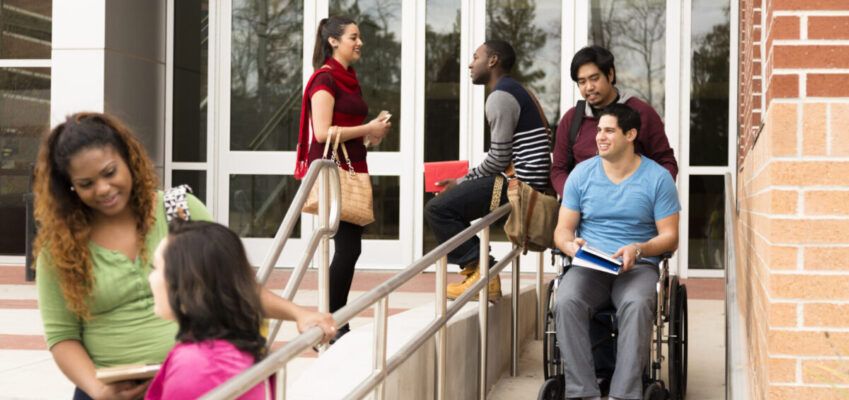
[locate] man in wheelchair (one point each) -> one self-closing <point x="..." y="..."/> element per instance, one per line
<point x="626" y="205"/>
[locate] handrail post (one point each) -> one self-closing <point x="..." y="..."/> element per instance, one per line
<point x="380" y="334"/>
<point x="280" y="384"/>
<point x="514" y="319"/>
<point x="540" y="295"/>
<point x="483" y="303"/>
<point x="324" y="259"/>
<point x="324" y="252"/>
<point x="441" y="339"/>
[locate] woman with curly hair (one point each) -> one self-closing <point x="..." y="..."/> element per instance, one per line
<point x="202" y="279"/>
<point x="100" y="217"/>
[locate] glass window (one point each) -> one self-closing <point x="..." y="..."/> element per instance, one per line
<point x="533" y="29"/>
<point x="707" y="222"/>
<point x="195" y="179"/>
<point x="266" y="63"/>
<point x="379" y="69"/>
<point x="191" y="38"/>
<point x="24" y="117"/>
<point x="26" y="28"/>
<point x="442" y="89"/>
<point x="635" y="32"/>
<point x="711" y="26"/>
<point x="387" y="212"/>
<point x="258" y="204"/>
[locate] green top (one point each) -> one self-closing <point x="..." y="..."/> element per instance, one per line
<point x="123" y="328"/>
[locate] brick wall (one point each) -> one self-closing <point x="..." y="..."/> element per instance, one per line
<point x="793" y="196"/>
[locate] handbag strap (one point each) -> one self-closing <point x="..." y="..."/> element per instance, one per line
<point x="336" y="146"/>
<point x="497" y="189"/>
<point x="532" y="201"/>
<point x="539" y="110"/>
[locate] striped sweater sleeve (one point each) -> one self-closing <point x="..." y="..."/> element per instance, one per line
<point x="502" y="112"/>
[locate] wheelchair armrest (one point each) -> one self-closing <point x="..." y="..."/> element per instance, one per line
<point x="667" y="255"/>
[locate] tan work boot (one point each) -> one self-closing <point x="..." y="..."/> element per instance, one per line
<point x="455" y="290"/>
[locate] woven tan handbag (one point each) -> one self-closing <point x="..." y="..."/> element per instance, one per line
<point x="357" y="198"/>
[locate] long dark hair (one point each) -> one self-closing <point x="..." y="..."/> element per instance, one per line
<point x="64" y="220"/>
<point x="332" y="27"/>
<point x="211" y="287"/>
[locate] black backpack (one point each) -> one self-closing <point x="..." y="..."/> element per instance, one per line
<point x="574" y="127"/>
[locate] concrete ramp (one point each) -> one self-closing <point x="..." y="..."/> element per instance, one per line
<point x="348" y="362"/>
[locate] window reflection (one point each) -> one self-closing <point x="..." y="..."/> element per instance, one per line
<point x="191" y="38"/>
<point x="266" y="63"/>
<point x="26" y="28"/>
<point x="24" y="117"/>
<point x="707" y="222"/>
<point x="442" y="90"/>
<point x="533" y="29"/>
<point x="709" y="87"/>
<point x="379" y="69"/>
<point x="387" y="212"/>
<point x="258" y="204"/>
<point x="635" y="32"/>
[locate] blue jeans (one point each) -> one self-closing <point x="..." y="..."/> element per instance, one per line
<point x="451" y="212"/>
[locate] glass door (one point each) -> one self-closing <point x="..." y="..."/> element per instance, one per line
<point x="261" y="61"/>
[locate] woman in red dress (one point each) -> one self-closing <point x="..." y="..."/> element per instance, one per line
<point x="333" y="99"/>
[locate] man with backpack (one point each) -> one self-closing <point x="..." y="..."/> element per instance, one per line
<point x="593" y="70"/>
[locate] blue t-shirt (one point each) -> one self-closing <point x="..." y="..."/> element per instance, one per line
<point x="614" y="215"/>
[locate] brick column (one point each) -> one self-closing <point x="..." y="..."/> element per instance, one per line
<point x="793" y="198"/>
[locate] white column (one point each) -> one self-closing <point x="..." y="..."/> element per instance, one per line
<point x="79" y="39"/>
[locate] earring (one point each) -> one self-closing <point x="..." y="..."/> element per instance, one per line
<point x="72" y="189"/>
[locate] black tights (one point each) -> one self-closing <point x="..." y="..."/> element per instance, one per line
<point x="348" y="242"/>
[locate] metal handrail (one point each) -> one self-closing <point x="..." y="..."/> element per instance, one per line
<point x="736" y="385"/>
<point x="276" y="362"/>
<point x="329" y="213"/>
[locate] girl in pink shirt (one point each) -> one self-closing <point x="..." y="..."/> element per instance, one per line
<point x="202" y="279"/>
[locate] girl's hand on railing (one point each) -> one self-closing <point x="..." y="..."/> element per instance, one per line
<point x="308" y="319"/>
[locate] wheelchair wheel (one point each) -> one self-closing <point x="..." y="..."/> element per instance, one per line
<point x="678" y="341"/>
<point x="552" y="389"/>
<point x="551" y="364"/>
<point x="655" y="391"/>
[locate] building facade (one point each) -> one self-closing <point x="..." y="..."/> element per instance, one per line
<point x="791" y="218"/>
<point x="214" y="89"/>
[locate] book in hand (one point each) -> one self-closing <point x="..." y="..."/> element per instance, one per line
<point x="127" y="373"/>
<point x="589" y="257"/>
<point x="440" y="170"/>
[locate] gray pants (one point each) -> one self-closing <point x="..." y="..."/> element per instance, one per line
<point x="583" y="292"/>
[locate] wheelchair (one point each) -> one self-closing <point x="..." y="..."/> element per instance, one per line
<point x="670" y="329"/>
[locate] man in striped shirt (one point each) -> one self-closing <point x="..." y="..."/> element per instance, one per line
<point x="518" y="136"/>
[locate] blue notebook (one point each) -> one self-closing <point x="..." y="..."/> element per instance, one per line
<point x="589" y="257"/>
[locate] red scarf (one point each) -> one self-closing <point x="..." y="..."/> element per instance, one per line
<point x="345" y="79"/>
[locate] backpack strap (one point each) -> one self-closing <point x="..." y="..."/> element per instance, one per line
<point x="176" y="203"/>
<point x="574" y="128"/>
